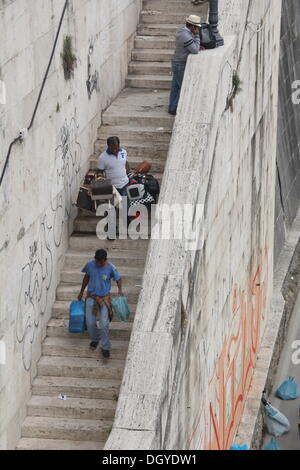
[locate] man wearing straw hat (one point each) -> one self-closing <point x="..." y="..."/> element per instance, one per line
<point x="187" y="42"/>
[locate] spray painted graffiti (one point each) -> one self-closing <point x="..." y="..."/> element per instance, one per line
<point x="35" y="283"/>
<point x="65" y="177"/>
<point x="92" y="82"/>
<point x="37" y="273"/>
<point x="222" y="409"/>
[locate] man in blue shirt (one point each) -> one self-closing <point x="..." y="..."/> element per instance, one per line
<point x="98" y="276"/>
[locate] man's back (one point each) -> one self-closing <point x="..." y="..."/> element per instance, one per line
<point x="186" y="43"/>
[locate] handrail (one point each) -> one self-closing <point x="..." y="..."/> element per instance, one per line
<point x="40" y="93"/>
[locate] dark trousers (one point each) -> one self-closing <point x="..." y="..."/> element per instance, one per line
<point x="178" y="74"/>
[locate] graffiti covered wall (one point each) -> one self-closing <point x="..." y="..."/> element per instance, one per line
<point x="222" y="409"/>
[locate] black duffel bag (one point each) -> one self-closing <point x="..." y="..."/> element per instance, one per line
<point x="102" y="188"/>
<point x="207" y="37"/>
<point x="152" y="186"/>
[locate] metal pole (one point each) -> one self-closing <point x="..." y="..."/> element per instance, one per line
<point x="214" y="20"/>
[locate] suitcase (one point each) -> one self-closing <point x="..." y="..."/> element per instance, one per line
<point x="102" y="188"/>
<point x="84" y="200"/>
<point x="77" y="323"/>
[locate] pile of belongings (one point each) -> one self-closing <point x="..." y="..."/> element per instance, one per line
<point x="142" y="189"/>
<point x="95" y="190"/>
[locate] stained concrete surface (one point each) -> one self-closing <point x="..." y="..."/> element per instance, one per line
<point x="288" y="157"/>
<point x="288" y="367"/>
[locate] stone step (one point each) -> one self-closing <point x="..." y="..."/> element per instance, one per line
<point x="157" y="29"/>
<point x="138" y="150"/>
<point x="161" y="134"/>
<point x="132" y="100"/>
<point x="70" y="292"/>
<point x="150" y="68"/>
<point x="105" y="389"/>
<point x="165" y="17"/>
<point x="61" y="310"/>
<point x="128" y="262"/>
<point x="66" y="429"/>
<point x="182" y="6"/>
<point x="73" y="276"/>
<point x="152" y="55"/>
<point x="81" y="367"/>
<point x="56" y="444"/>
<point x="147" y="118"/>
<point x="69" y="347"/>
<point x="89" y="223"/>
<point x="59" y="327"/>
<point x="114" y="255"/>
<point x="75" y="408"/>
<point x="157" y="165"/>
<point x="149" y="81"/>
<point x="154" y="42"/>
<point x="90" y="242"/>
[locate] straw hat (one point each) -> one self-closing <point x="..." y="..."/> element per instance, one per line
<point x="194" y="20"/>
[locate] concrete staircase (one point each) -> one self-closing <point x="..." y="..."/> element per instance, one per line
<point x="139" y="117"/>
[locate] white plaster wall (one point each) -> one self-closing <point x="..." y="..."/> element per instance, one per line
<point x="42" y="179"/>
<point x="202" y="314"/>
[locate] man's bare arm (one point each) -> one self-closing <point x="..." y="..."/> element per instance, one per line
<point x="119" y="284"/>
<point x="85" y="282"/>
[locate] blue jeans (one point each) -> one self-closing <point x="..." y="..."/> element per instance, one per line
<point x="123" y="191"/>
<point x="178" y="74"/>
<point x="91" y="322"/>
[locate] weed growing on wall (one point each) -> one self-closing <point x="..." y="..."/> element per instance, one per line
<point x="68" y="58"/>
<point x="236" y="88"/>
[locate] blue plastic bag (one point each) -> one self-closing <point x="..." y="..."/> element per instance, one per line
<point x="77" y="323"/>
<point x="120" y="308"/>
<point x="288" y="390"/>
<point x="237" y="447"/>
<point x="277" y="424"/>
<point x="272" y="445"/>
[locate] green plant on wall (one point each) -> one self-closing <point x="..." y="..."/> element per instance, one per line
<point x="68" y="58"/>
<point x="236" y="88"/>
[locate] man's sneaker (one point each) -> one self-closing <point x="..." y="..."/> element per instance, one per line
<point x="105" y="353"/>
<point x="94" y="345"/>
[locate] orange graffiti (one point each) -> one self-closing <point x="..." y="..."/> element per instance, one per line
<point x="217" y="423"/>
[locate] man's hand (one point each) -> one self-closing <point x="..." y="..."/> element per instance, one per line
<point x="120" y="294"/>
<point x="196" y="30"/>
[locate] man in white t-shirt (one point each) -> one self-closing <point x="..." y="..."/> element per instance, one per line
<point x="114" y="166"/>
